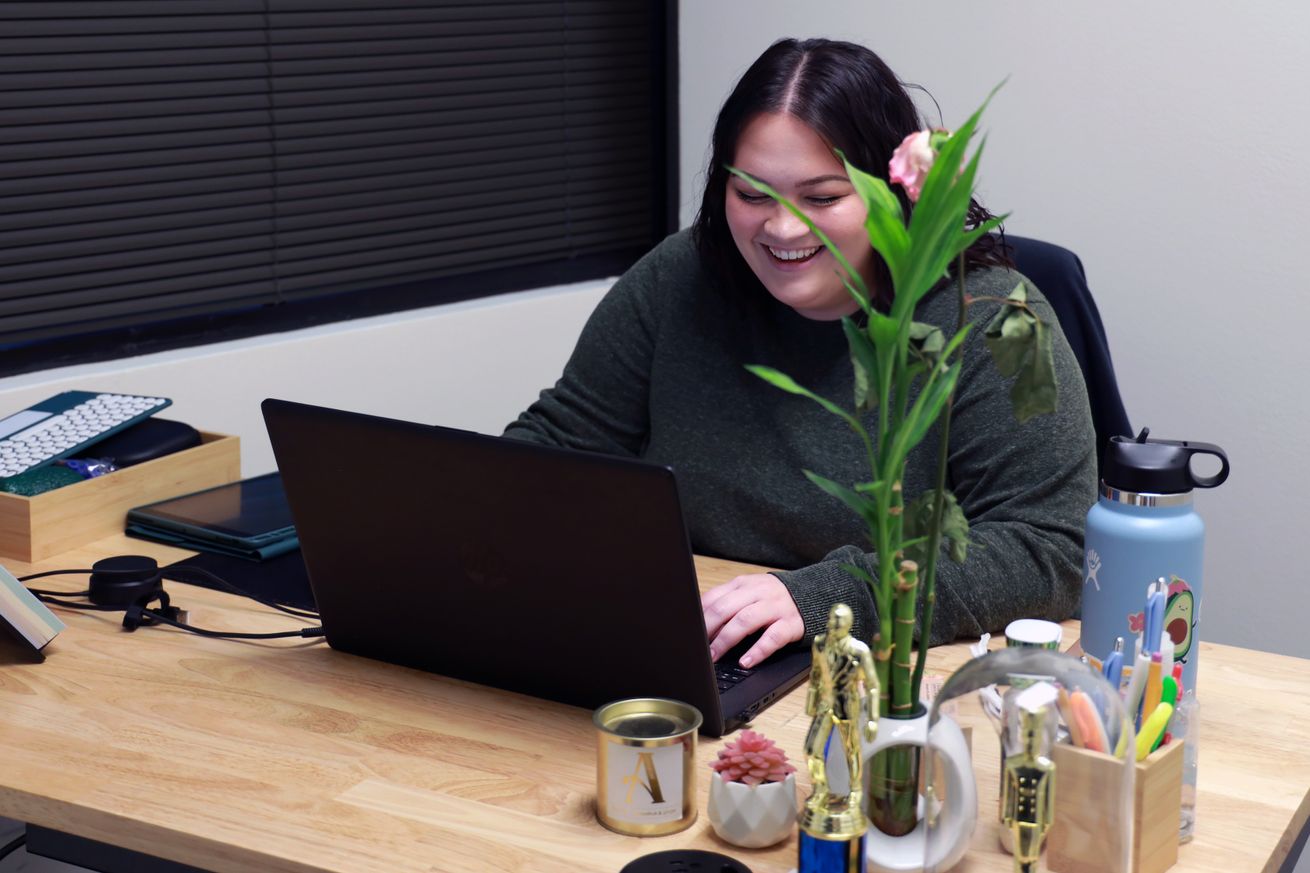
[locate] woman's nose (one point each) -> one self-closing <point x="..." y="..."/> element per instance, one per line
<point x="782" y="225"/>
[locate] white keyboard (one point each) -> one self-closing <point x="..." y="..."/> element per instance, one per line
<point x="65" y="424"/>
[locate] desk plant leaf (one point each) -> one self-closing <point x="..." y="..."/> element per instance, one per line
<point x="918" y="525"/>
<point x="1020" y="344"/>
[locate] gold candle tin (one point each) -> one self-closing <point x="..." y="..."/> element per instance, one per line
<point x="645" y="754"/>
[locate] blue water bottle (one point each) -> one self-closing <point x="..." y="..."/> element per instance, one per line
<point x="1142" y="529"/>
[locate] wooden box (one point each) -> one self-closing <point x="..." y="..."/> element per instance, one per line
<point x="1086" y="808"/>
<point x="34" y="528"/>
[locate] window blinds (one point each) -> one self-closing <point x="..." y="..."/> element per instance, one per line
<point x="167" y="158"/>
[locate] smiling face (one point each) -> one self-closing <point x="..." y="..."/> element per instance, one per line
<point x="788" y="259"/>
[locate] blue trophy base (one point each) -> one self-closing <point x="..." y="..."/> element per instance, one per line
<point x="830" y="856"/>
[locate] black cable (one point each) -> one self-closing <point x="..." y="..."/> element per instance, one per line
<point x="139" y="611"/>
<point x="13" y="845"/>
<point x="303" y="632"/>
<point x="32" y="576"/>
<point x="178" y="573"/>
<point x="46" y="598"/>
<point x="170" y="574"/>
<point x="133" y="614"/>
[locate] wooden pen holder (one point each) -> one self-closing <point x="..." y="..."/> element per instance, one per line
<point x="1087" y="808"/>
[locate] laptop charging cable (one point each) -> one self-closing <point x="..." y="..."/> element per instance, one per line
<point x="131" y="583"/>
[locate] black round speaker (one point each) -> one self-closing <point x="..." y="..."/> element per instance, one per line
<point x="685" y="861"/>
<point x="124" y="580"/>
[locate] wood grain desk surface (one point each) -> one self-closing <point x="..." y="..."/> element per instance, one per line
<point x="288" y="756"/>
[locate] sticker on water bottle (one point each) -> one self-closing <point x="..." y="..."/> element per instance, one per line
<point x="1179" y="618"/>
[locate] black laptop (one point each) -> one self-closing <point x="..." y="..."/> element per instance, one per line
<point x="561" y="574"/>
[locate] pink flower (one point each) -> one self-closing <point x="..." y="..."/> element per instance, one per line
<point x="752" y="759"/>
<point x="1137" y="622"/>
<point x="1177" y="585"/>
<point x="911" y="162"/>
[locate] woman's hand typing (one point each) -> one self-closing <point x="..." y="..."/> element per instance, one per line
<point x="746" y="604"/>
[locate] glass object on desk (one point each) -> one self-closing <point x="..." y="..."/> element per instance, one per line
<point x="1061" y="806"/>
<point x="1187" y="727"/>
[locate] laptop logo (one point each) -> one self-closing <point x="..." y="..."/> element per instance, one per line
<point x="483" y="567"/>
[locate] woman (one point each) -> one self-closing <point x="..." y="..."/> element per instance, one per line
<point x="658" y="373"/>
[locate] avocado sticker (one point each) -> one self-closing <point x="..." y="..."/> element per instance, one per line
<point x="1179" y="617"/>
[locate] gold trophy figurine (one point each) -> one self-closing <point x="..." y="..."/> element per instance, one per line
<point x="841" y="664"/>
<point x="1029" y="790"/>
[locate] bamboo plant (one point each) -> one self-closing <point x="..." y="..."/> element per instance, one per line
<point x="893" y="355"/>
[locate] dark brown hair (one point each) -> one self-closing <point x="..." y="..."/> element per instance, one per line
<point x="853" y="101"/>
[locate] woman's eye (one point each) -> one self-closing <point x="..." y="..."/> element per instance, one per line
<point x="751" y="197"/>
<point x="824" y="201"/>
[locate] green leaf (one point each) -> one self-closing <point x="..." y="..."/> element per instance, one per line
<point x="1034" y="392"/>
<point x="934" y="238"/>
<point x="885" y="224"/>
<point x="864" y="359"/>
<point x="873" y="191"/>
<point x="863" y="506"/>
<point x="927" y="407"/>
<point x="860" y="573"/>
<point x="972" y="236"/>
<point x="1011" y="335"/>
<point x="918" y="523"/>
<point x="1022" y="346"/>
<point x="883" y="330"/>
<point x="927" y="341"/>
<point x="786" y="383"/>
<point x="855" y="294"/>
<point x="764" y="188"/>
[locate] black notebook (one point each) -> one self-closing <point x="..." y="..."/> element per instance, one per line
<point x="247" y="519"/>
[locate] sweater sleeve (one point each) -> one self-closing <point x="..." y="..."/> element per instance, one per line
<point x="1025" y="489"/>
<point x="601" y="402"/>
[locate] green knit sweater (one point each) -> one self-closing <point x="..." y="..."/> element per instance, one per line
<point x="658" y="373"/>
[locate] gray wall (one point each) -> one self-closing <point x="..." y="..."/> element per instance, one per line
<point x="1163" y="143"/>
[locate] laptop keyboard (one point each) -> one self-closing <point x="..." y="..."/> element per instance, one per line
<point x="728" y="675"/>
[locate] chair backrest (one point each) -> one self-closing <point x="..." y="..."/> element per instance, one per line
<point x="1059" y="275"/>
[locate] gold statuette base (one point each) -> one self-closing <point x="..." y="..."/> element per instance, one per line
<point x="834" y="820"/>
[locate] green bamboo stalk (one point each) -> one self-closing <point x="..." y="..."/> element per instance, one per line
<point x="906" y="588"/>
<point x="939" y="509"/>
<point x="884" y="639"/>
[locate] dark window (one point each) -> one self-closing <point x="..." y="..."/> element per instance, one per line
<point x="174" y="173"/>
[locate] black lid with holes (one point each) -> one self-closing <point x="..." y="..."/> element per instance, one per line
<point x="1147" y="466"/>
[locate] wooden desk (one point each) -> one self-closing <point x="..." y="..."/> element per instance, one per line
<point x="288" y="756"/>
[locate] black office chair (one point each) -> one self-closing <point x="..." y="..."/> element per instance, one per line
<point x="1059" y="275"/>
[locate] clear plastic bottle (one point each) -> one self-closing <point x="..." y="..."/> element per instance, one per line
<point x="1187" y="727"/>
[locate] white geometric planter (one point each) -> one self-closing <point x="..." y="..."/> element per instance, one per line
<point x="752" y="816"/>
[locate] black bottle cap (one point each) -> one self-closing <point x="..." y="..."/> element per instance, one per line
<point x="1146" y="466"/>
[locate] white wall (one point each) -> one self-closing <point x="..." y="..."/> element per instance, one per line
<point x="472" y="365"/>
<point x="1164" y="143"/>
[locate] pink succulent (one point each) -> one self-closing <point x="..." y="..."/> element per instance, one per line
<point x="911" y="162"/>
<point x="752" y="759"/>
